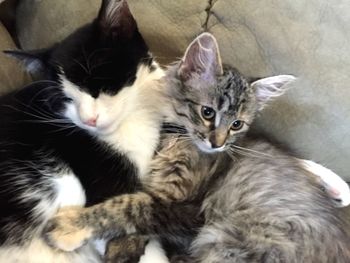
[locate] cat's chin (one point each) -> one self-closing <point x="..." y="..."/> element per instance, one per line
<point x="206" y="147"/>
<point x="102" y="130"/>
<point x="97" y="131"/>
<point x="108" y="129"/>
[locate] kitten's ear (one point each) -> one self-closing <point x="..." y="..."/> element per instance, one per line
<point x="33" y="61"/>
<point x="272" y="87"/>
<point x="202" y="59"/>
<point x="116" y="20"/>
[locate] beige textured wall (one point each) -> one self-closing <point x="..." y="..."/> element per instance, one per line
<point x="11" y="74"/>
<point x="310" y="39"/>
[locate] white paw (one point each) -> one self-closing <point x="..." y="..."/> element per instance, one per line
<point x="154" y="253"/>
<point x="335" y="186"/>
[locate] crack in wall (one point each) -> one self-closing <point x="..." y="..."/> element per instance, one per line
<point x="209" y="12"/>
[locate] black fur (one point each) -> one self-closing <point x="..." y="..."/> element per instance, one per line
<point x="36" y="142"/>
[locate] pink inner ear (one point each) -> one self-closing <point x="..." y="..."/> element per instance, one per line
<point x="202" y="59"/>
<point x="115" y="18"/>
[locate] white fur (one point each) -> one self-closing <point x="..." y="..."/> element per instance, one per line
<point x="38" y="252"/>
<point x="100" y="245"/>
<point x="128" y="121"/>
<point x="205" y="146"/>
<point x="154" y="253"/>
<point x="330" y="180"/>
<point x="67" y="187"/>
<point x="83" y="106"/>
<point x="206" y="236"/>
<point x="70" y="191"/>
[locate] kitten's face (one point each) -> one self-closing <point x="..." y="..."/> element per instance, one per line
<point x="216" y="105"/>
<point x="99" y="67"/>
<point x="216" y="114"/>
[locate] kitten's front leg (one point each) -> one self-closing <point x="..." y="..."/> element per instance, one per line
<point x="127" y="249"/>
<point x="159" y="209"/>
<point x="68" y="230"/>
<point x="132" y="213"/>
<point x="73" y="227"/>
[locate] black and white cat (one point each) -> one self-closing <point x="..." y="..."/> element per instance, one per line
<point x="84" y="133"/>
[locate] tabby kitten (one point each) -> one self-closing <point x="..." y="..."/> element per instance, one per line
<point x="250" y="201"/>
<point x="83" y="134"/>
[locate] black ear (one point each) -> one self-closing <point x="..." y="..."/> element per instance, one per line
<point x="116" y="20"/>
<point x="202" y="59"/>
<point x="35" y="62"/>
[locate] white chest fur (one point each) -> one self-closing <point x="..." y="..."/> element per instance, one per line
<point x="137" y="135"/>
<point x="129" y="121"/>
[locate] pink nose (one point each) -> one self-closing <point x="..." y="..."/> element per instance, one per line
<point x="91" y="122"/>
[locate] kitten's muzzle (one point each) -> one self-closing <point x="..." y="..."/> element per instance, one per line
<point x="217" y="138"/>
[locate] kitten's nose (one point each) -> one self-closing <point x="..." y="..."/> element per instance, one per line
<point x="215" y="145"/>
<point x="217" y="139"/>
<point x="91" y="122"/>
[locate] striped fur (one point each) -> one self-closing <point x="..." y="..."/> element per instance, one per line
<point x="247" y="202"/>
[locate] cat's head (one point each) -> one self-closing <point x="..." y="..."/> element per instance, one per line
<point x="98" y="67"/>
<point x="216" y="104"/>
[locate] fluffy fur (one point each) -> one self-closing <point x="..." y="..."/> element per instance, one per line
<point x="84" y="133"/>
<point x="236" y="199"/>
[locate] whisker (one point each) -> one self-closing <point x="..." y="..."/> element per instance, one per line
<point x="251" y="150"/>
<point x="27" y="113"/>
<point x="95" y="52"/>
<point x="246" y="153"/>
<point x="42" y="119"/>
<point x="44" y="81"/>
<point x="43" y="114"/>
<point x="82" y="66"/>
<point x="64" y="128"/>
<point x="100" y="65"/>
<point x="74" y="129"/>
<point x="243" y="153"/>
<point x="42" y="90"/>
<point x="232" y="156"/>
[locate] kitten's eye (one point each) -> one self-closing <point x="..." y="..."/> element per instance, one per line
<point x="237" y="125"/>
<point x="208" y="113"/>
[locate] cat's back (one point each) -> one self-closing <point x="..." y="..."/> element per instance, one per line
<point x="271" y="203"/>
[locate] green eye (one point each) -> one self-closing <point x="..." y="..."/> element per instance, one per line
<point x="237" y="125"/>
<point x="208" y="113"/>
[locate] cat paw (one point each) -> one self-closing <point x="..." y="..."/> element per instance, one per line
<point x="334" y="185"/>
<point x="66" y="231"/>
